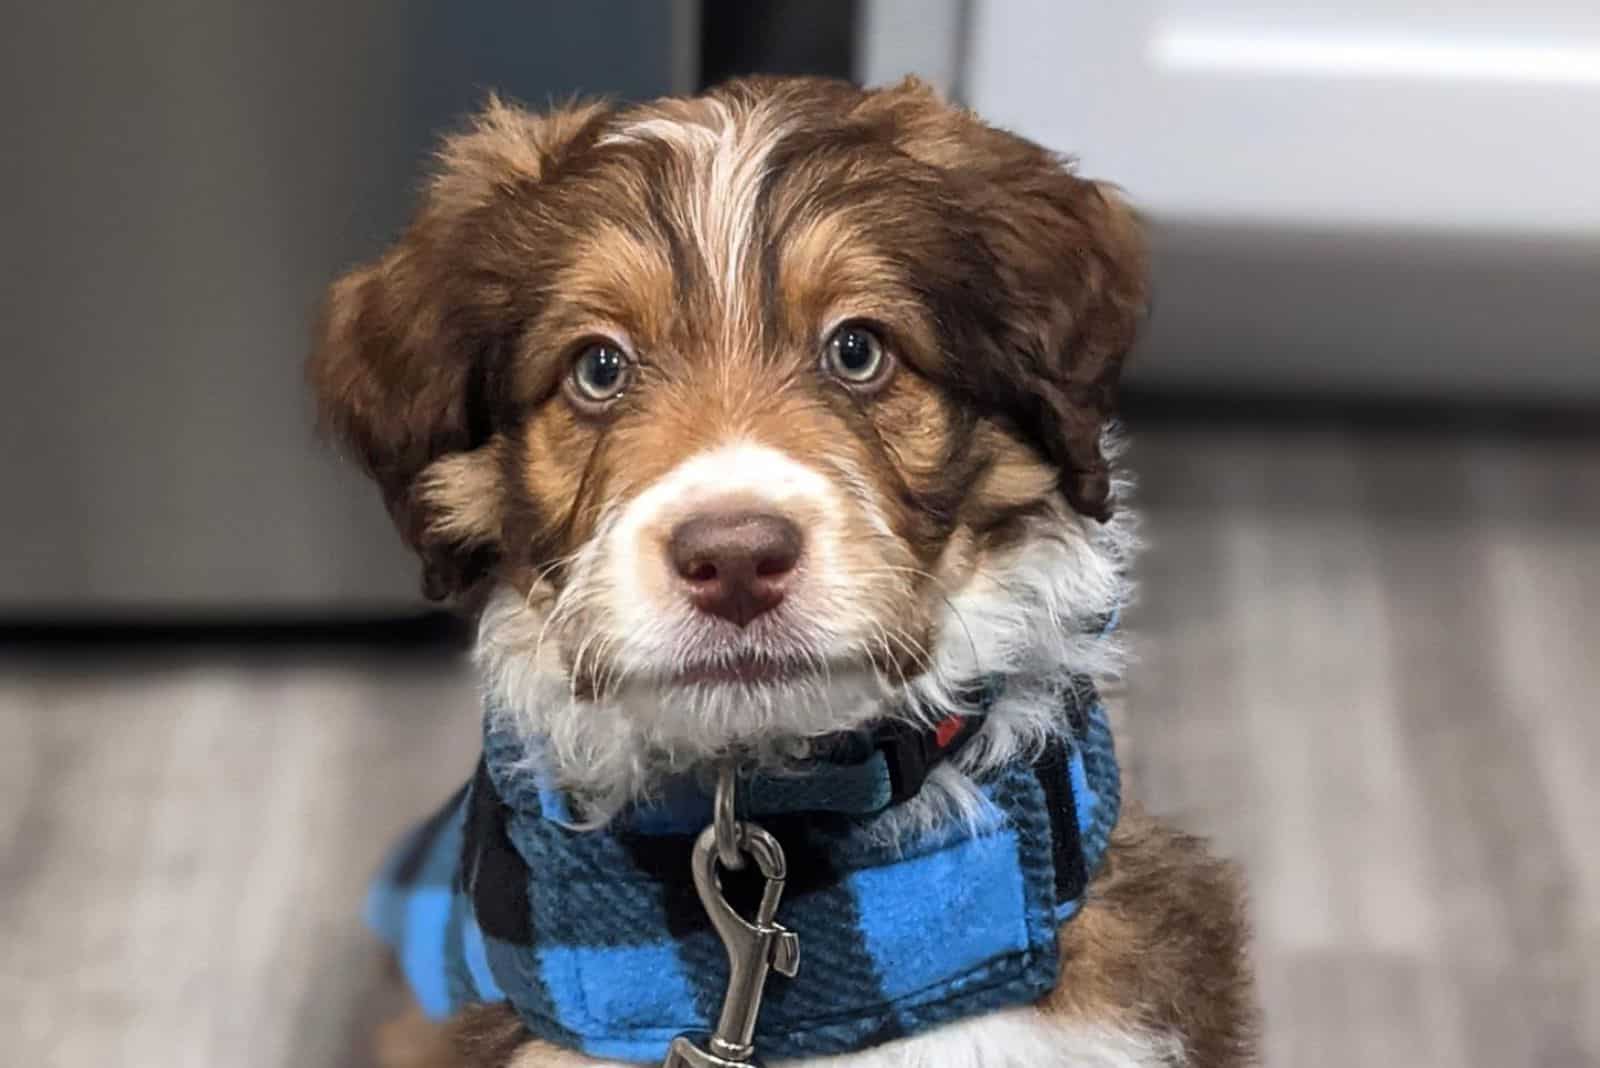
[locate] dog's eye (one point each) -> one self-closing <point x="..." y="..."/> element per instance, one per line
<point x="856" y="355"/>
<point x="600" y="373"/>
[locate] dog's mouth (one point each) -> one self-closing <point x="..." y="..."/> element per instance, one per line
<point x="743" y="671"/>
<point x="767" y="670"/>
<point x="770" y="661"/>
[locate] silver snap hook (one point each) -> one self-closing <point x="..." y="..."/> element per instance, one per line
<point x="725" y="820"/>
<point x="755" y="947"/>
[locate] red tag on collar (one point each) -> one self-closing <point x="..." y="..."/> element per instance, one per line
<point x="948" y="730"/>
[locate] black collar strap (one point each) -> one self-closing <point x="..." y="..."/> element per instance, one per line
<point x="853" y="774"/>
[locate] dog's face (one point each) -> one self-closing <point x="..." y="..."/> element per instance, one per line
<point x="734" y="401"/>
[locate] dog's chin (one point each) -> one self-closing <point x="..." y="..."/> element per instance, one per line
<point x="761" y="709"/>
<point x="610" y="748"/>
<point x="743" y="672"/>
<point x="747" y="702"/>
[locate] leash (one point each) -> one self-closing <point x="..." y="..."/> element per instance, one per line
<point x="755" y="949"/>
<point x="898" y="761"/>
<point x="897" y="764"/>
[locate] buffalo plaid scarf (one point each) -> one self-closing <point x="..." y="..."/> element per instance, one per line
<point x="600" y="944"/>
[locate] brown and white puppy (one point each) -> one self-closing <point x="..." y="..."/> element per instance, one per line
<point x="739" y="419"/>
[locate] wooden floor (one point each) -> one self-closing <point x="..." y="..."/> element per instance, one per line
<point x="1368" y="665"/>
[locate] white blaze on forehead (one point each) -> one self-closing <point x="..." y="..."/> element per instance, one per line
<point x="740" y="468"/>
<point x="727" y="153"/>
<point x="736" y="467"/>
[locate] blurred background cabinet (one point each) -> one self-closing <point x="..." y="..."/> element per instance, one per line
<point x="1391" y="204"/>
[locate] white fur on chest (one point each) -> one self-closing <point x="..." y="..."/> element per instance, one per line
<point x="1014" y="1038"/>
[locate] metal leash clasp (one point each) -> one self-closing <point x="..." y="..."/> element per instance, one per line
<point x="755" y="948"/>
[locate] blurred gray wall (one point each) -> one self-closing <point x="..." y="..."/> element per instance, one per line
<point x="181" y="181"/>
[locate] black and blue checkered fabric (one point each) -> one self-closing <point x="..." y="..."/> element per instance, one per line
<point x="599" y="941"/>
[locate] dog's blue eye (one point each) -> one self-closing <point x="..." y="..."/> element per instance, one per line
<point x="856" y="355"/>
<point x="600" y="372"/>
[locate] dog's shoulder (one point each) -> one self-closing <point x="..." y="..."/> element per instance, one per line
<point x="1161" y="948"/>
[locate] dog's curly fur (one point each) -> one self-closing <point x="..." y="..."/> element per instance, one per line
<point x="959" y="512"/>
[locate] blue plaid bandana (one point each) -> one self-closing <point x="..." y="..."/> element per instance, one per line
<point x="600" y="943"/>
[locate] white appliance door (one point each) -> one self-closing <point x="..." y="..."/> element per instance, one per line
<point x="1368" y="197"/>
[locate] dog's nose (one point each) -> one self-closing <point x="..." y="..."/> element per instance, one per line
<point x="736" y="565"/>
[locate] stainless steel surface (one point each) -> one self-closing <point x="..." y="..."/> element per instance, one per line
<point x="1363" y="662"/>
<point x="183" y="180"/>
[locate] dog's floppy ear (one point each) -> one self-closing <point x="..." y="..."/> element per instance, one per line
<point x="1069" y="258"/>
<point x="404" y="361"/>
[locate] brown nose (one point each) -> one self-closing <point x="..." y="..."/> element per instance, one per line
<point x="736" y="565"/>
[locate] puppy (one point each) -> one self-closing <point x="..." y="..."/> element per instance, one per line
<point x="745" y="424"/>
